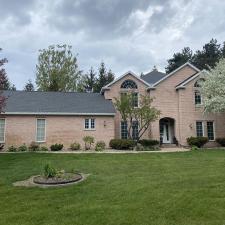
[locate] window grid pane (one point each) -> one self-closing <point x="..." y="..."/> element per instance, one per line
<point x="210" y="130"/>
<point x="199" y="129"/>
<point x="123" y="129"/>
<point x="86" y="124"/>
<point x="92" y="123"/>
<point x="135" y="130"/>
<point x="135" y="99"/>
<point x="2" y="130"/>
<point x="40" y="130"/>
<point x="198" y="98"/>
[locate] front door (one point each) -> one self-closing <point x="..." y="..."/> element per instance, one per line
<point x="166" y="133"/>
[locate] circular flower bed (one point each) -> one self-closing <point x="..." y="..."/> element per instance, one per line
<point x="66" y="178"/>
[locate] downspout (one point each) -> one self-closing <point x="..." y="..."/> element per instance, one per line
<point x="178" y="123"/>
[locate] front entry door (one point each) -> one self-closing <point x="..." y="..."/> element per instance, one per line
<point x="166" y="133"/>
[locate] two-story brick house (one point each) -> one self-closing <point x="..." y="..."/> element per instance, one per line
<point x="50" y="117"/>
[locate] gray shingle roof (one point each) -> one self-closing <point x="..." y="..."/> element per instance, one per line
<point x="153" y="76"/>
<point x="57" y="103"/>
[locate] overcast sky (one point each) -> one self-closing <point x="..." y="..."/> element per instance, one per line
<point x="125" y="34"/>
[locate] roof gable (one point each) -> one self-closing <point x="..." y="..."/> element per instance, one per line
<point x="124" y="75"/>
<point x="173" y="72"/>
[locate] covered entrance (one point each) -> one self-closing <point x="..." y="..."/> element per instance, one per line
<point x="167" y="134"/>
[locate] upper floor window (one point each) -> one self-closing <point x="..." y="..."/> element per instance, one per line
<point x="89" y="124"/>
<point x="129" y="84"/>
<point x="40" y="133"/>
<point x="134" y="98"/>
<point x="198" y="98"/>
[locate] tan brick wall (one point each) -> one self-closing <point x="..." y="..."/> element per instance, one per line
<point x="59" y="129"/>
<point x="115" y="92"/>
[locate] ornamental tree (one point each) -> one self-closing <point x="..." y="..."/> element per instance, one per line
<point x="57" y="69"/>
<point x="213" y="88"/>
<point x="144" y="115"/>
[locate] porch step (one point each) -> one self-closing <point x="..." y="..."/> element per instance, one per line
<point x="168" y="145"/>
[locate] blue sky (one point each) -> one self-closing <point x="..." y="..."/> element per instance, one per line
<point x="127" y="35"/>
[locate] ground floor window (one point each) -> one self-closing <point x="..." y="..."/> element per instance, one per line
<point x="89" y="123"/>
<point x="199" y="129"/>
<point x="2" y="130"/>
<point x="41" y="130"/>
<point x="123" y="129"/>
<point x="210" y="130"/>
<point x="135" y="130"/>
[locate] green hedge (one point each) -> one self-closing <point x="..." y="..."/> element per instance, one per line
<point x="221" y="141"/>
<point x="56" y="147"/>
<point x="122" y="144"/>
<point x="148" y="142"/>
<point x="197" y="141"/>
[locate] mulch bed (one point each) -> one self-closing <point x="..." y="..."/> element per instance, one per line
<point x="65" y="179"/>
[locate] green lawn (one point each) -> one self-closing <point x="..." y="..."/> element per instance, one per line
<point x="158" y="188"/>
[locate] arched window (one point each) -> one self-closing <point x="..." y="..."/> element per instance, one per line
<point x="129" y="84"/>
<point x="199" y="82"/>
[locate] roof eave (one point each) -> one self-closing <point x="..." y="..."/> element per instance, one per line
<point x="58" y="113"/>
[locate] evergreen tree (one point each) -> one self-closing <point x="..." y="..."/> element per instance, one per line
<point x="179" y="59"/>
<point x="104" y="77"/>
<point x="29" y="86"/>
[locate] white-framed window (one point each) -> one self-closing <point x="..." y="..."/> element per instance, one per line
<point x="41" y="130"/>
<point x="2" y="130"/>
<point x="134" y="100"/>
<point x="210" y="130"/>
<point x="199" y="128"/>
<point x="89" y="124"/>
<point x="135" y="130"/>
<point x="198" y="98"/>
<point x="123" y="130"/>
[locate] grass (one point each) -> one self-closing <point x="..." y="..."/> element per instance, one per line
<point x="160" y="189"/>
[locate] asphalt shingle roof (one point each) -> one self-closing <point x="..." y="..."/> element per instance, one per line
<point x="153" y="76"/>
<point x="57" y="102"/>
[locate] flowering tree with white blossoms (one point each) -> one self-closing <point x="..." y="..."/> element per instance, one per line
<point x="213" y="89"/>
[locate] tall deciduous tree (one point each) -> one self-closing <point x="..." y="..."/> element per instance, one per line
<point x="2" y="82"/>
<point x="144" y="115"/>
<point x="213" y="88"/>
<point x="179" y="59"/>
<point x="104" y="77"/>
<point x="57" y="69"/>
<point x="29" y="86"/>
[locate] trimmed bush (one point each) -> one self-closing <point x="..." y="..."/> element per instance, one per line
<point x="56" y="147"/>
<point x="34" y="146"/>
<point x="221" y="141"/>
<point x="23" y="148"/>
<point x="121" y="144"/>
<point x="75" y="146"/>
<point x="49" y="171"/>
<point x="88" y="140"/>
<point x="100" y="146"/>
<point x="148" y="142"/>
<point x="197" y="141"/>
<point x="12" y="149"/>
<point x="43" y="149"/>
<point x="2" y="147"/>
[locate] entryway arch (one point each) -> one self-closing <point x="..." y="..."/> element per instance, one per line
<point x="167" y="130"/>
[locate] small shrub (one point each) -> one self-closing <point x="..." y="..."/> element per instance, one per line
<point x="43" y="149"/>
<point x="88" y="141"/>
<point x="49" y="171"/>
<point x="34" y="146"/>
<point x="12" y="149"/>
<point x="121" y="144"/>
<point x="100" y="146"/>
<point x="221" y="141"/>
<point x="23" y="148"/>
<point x="75" y="146"/>
<point x="56" y="147"/>
<point x="197" y="141"/>
<point x="139" y="147"/>
<point x="148" y="142"/>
